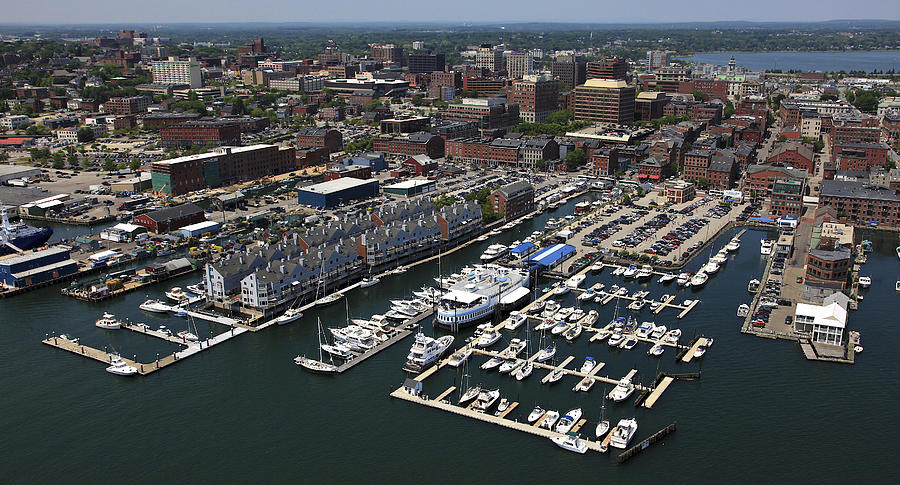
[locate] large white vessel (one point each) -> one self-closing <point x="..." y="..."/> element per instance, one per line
<point x="426" y="350"/>
<point x="494" y="251"/>
<point x="119" y="367"/>
<point x="476" y="294"/>
<point x="765" y="247"/>
<point x="623" y="433"/>
<point x="622" y="391"/>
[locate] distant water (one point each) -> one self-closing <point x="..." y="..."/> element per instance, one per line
<point x="867" y="61"/>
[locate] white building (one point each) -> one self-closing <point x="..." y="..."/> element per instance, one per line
<point x="176" y="71"/>
<point x="519" y="64"/>
<point x="12" y="122"/>
<point x="489" y="58"/>
<point x="824" y="323"/>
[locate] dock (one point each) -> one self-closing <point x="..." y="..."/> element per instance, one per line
<point x="657" y="392"/>
<point x="690" y="352"/>
<point x="687" y="309"/>
<point x="562" y="365"/>
<point x="590" y="374"/>
<point x="664" y="305"/>
<point x="643" y="445"/>
<point x="402" y="332"/>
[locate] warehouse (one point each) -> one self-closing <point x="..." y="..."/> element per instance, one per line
<point x="133" y="185"/>
<point x="410" y="188"/>
<point x="200" y="228"/>
<point x="21" y="270"/>
<point x="172" y="218"/>
<point x="336" y="192"/>
<point x="10" y="172"/>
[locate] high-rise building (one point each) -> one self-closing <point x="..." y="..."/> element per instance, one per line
<point x="569" y="70"/>
<point x="608" y="68"/>
<point x="176" y="71"/>
<point x="519" y="64"/>
<point x="537" y="97"/>
<point x="388" y="53"/>
<point x="489" y="57"/>
<point x="418" y="45"/>
<point x="424" y="61"/>
<point x="605" y="101"/>
<point x="657" y="59"/>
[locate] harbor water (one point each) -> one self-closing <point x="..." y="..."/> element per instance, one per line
<point x="242" y="411"/>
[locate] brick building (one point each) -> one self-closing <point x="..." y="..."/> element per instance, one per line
<point x="411" y="144"/>
<point x="710" y="88"/>
<point x="605" y="101"/>
<point x="513" y="200"/>
<point x="486" y="113"/>
<point x="329" y="138"/>
<point x="127" y="106"/>
<point x="220" y="167"/>
<point x="537" y="97"/>
<point x="201" y="133"/>
<point x="608" y="68"/>
<point x="861" y="203"/>
<point x="169" y="219"/>
<point x="649" y="105"/>
<point x="794" y="154"/>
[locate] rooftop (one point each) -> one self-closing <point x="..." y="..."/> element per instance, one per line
<point x="337" y="185"/>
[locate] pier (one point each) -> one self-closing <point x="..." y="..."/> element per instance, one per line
<point x="643" y="445"/>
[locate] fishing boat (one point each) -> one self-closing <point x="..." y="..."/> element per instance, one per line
<point x="623" y="433"/>
<point x="118" y="367"/>
<point x="460" y="356"/>
<point x="733" y="245"/>
<point x="568" y="420"/>
<point x="313" y="365"/>
<point x="290" y="315"/>
<point x="622" y="391"/>
<point x="535" y="414"/>
<point x="108" y="322"/>
<point x="367" y="282"/>
<point x="155" y="306"/>
<point x="550" y="418"/>
<point x="743" y="310"/>
<point x="471" y="393"/>
<point x="570" y="442"/>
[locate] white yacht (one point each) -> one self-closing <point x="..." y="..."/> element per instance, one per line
<point x="290" y="315"/>
<point x="587" y="295"/>
<point x="108" y="321"/>
<point x="645" y="272"/>
<point x="573" y="332"/>
<point x="673" y="335"/>
<point x="546" y="354"/>
<point x="575" y="281"/>
<point x="119" y="367"/>
<point x="476" y="295"/>
<point x="426" y="350"/>
<point x="619" y="271"/>
<point x="525" y="370"/>
<point x="560" y="289"/>
<point x="683" y="279"/>
<point x="535" y="414"/>
<point x="699" y="279"/>
<point x="329" y="299"/>
<point x="568" y="420"/>
<point x="597" y="267"/>
<point x="743" y="310"/>
<point x="656" y="350"/>
<point x="154" y="306"/>
<point x="560" y="327"/>
<point x="631" y="272"/>
<point x="629" y="343"/>
<point x="511" y="366"/>
<point x="711" y="268"/>
<point x="575" y="316"/>
<point x="367" y="282"/>
<point x="482" y="238"/>
<point x="550" y="309"/>
<point x="591" y="318"/>
<point x="615" y="339"/>
<point x="492" y="363"/>
<point x="753" y="286"/>
<point x="488" y="338"/>
<point x="622" y="391"/>
<point x="493" y="252"/>
<point x="399" y="270"/>
<point x="765" y="247"/>
<point x="570" y="442"/>
<point x="460" y="356"/>
<point x="666" y="278"/>
<point x="176" y="294"/>
<point x="865" y="281"/>
<point x="516" y="319"/>
<point x="485" y="400"/>
<point x="623" y="433"/>
<point x="733" y="245"/>
<point x="637" y="305"/>
<point x="643" y="331"/>
<point x="187" y="336"/>
<point x="550" y="418"/>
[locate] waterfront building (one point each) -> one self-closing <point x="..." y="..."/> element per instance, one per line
<point x="31" y="268"/>
<point x="167" y="219"/>
<point x="220" y="167"/>
<point x="861" y="203"/>
<point x="513" y="200"/>
<point x="824" y="323"/>
<point x="335" y="192"/>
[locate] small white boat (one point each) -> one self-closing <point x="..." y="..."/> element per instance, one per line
<point x="645" y="272"/>
<point x="619" y="271"/>
<point x="556" y="375"/>
<point x="584" y="385"/>
<point x="550" y="419"/>
<point x="623" y="433"/>
<point x="765" y="247"/>
<point x="589" y="363"/>
<point x="315" y="365"/>
<point x="673" y="335"/>
<point x="511" y="366"/>
<point x="119" y="367"/>
<point x="667" y="278"/>
<point x="340" y="349"/>
<point x="587" y="295"/>
<point x="602" y="335"/>
<point x="568" y="420"/>
<point x="602" y="428"/>
<point x="546" y="354"/>
<point x="570" y="442"/>
<point x="188" y="336"/>
<point x="658" y="332"/>
<point x="573" y="332"/>
<point x="460" y="356"/>
<point x="629" y="343"/>
<point x="503" y="406"/>
<point x="329" y="299"/>
<point x="700" y="352"/>
<point x="699" y="279"/>
<point x="367" y="282"/>
<point x="743" y="310"/>
<point x="536" y="414"/>
<point x="471" y="393"/>
<point x="290" y="315"/>
<point x="176" y="294"/>
<point x="637" y="305"/>
<point x="616" y="339"/>
<point x="591" y="318"/>
<point x="154" y="306"/>
<point x="631" y="272"/>
<point x="163" y="330"/>
<point x="560" y="289"/>
<point x="575" y="281"/>
<point x="643" y="331"/>
<point x="656" y="350"/>
<point x="753" y="286"/>
<point x="108" y="321"/>
<point x="516" y="319"/>
<point x="492" y="363"/>
<point x="482" y="238"/>
<point x="598" y="266"/>
<point x="865" y="281"/>
<point x="683" y="279"/>
<point x="525" y="370"/>
<point x="560" y="327"/>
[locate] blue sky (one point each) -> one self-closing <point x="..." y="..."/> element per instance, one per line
<point x="102" y="11"/>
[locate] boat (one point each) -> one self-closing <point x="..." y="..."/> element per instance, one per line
<point x="637" y="305"/>
<point x="494" y="252"/>
<point x="622" y="391"/>
<point x="897" y="286"/>
<point x="865" y="281"/>
<point x="654" y="305"/>
<point x="165" y="331"/>
<point x="602" y="426"/>
<point x="108" y="321"/>
<point x="619" y="271"/>
<point x="656" y="350"/>
<point x="573" y="332"/>
<point x="570" y="442"/>
<point x="550" y="418"/>
<point x="765" y="247"/>
<point x="711" y="268"/>
<point x="313" y="365"/>
<point x="20" y="237"/>
<point x="155" y="306"/>
<point x="187" y="336"/>
<point x="492" y="363"/>
<point x="503" y="406"/>
<point x="563" y="313"/>
<point x="667" y="278"/>
<point x="673" y="335"/>
<point x="623" y="433"/>
<point x="329" y="299"/>
<point x="586" y="295"/>
<point x="555" y="375"/>
<point x="897" y="250"/>
<point x="367" y="282"/>
<point x="460" y="356"/>
<point x="485" y="400"/>
<point x="591" y="318"/>
<point x="560" y="327"/>
<point x="631" y="272"/>
<point x="495" y="232"/>
<point x="575" y="281"/>
<point x="616" y="339"/>
<point x="516" y="319"/>
<point x="535" y="414"/>
<point x="426" y="350"/>
<point x="546" y="354"/>
<point x="511" y="366"/>
<point x="629" y="343"/>
<point x="597" y="267"/>
<point x="602" y="335"/>
<point x="482" y="238"/>
<point x="471" y="393"/>
<point x="118" y="367"/>
<point x="550" y="309"/>
<point x="643" y="331"/>
<point x="699" y="279"/>
<point x="197" y="288"/>
<point x="476" y="295"/>
<point x="743" y="310"/>
<point x="683" y="279"/>
<point x="589" y="363"/>
<point x="525" y="370"/>
<point x="645" y="272"/>
<point x="700" y="352"/>
<point x="488" y="338"/>
<point x="575" y="316"/>
<point x="565" y="423"/>
<point x="176" y="294"/>
<point x="290" y="315"/>
<point x="733" y="245"/>
<point x="560" y="289"/>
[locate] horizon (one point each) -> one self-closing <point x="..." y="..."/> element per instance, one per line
<point x="484" y="23"/>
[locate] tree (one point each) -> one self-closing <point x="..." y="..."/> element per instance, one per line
<point x="541" y="165"/>
<point x="443" y="201"/>
<point x="866" y="101"/>
<point x="86" y="163"/>
<point x="109" y="165"/>
<point x="39" y="154"/>
<point x="575" y="158"/>
<point x="135" y="164"/>
<point x="561" y="117"/>
<point x="418" y="100"/>
<point x="729" y="110"/>
<point x="57" y="164"/>
<point x="37" y="129"/>
<point x="699" y="96"/>
<point x="73" y="160"/>
<point x="85" y="135"/>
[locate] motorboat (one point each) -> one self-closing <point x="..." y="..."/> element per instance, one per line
<point x="493" y="252"/>
<point x="616" y="339"/>
<point x="155" y="306"/>
<point x="546" y="353"/>
<point x="176" y="294"/>
<point x="699" y="279"/>
<point x="597" y="267"/>
<point x="570" y="442"/>
<point x="587" y="295"/>
<point x="367" y="282"/>
<point x="584" y="385"/>
<point x="187" y="336"/>
<point x="683" y="279"/>
<point x="555" y="375"/>
<point x="495" y="232"/>
<point x="589" y="363"/>
<point x="765" y="247"/>
<point x="550" y="309"/>
<point x="399" y="270"/>
<point x="656" y="350"/>
<point x="575" y="281"/>
<point x="575" y="316"/>
<point x="426" y="350"/>
<point x="547" y="324"/>
<point x="563" y="313"/>
<point x="619" y="271"/>
<point x="560" y="327"/>
<point x="640" y="294"/>
<point x="591" y="318"/>
<point x="865" y="281"/>
<point x="560" y="289"/>
<point x="482" y="238"/>
<point x="573" y="332"/>
<point x="700" y="352"/>
<point x="510" y="366"/>
<point x="623" y="433"/>
<point x="471" y="393"/>
<point x="491" y="363"/>
<point x="290" y="315"/>
<point x="602" y="334"/>
<point x="536" y="308"/>
<point x="743" y="310"/>
<point x="460" y="356"/>
<point x="645" y="272"/>
<point x="516" y="319"/>
<point x="535" y="414"/>
<point x="165" y="331"/>
<point x="525" y="370"/>
<point x="667" y="278"/>
<point x="643" y="331"/>
<point x="637" y="305"/>
<point x="488" y="338"/>
<point x="550" y="418"/>
<point x="565" y="423"/>
<point x="733" y="245"/>
<point x="673" y="335"/>
<point x="108" y="321"/>
<point x="197" y="288"/>
<point x="622" y="292"/>
<point x="503" y="406"/>
<point x="118" y="367"/>
<point x="631" y="272"/>
<point x="711" y="268"/>
<point x="629" y="343"/>
<point x="622" y="391"/>
<point x="485" y="400"/>
<point x="654" y="305"/>
<point x="753" y="286"/>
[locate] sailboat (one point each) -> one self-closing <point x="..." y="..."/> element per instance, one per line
<point x="316" y="365"/>
<point x="528" y="368"/>
<point x="603" y="425"/>
<point x="326" y="299"/>
<point x="187" y="335"/>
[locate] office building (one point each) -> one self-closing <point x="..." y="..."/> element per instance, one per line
<point x="607" y="68"/>
<point x="176" y="71"/>
<point x="486" y="113"/>
<point x="519" y="64"/>
<point x="513" y="200"/>
<point x="605" y="101"/>
<point x="569" y="70"/>
<point x="388" y="53"/>
<point x="127" y="106"/>
<point x="489" y="57"/>
<point x="423" y="61"/>
<point x="537" y="97"/>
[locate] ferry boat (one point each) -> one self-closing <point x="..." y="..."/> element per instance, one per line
<point x="493" y="252"/>
<point x="476" y="295"/>
<point x="21" y="236"/>
<point x="623" y="433"/>
<point x="426" y="350"/>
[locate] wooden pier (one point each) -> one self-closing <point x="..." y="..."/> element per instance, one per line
<point x="561" y="366"/>
<point x="657" y="391"/>
<point x="689" y="354"/>
<point x="643" y="445"/>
